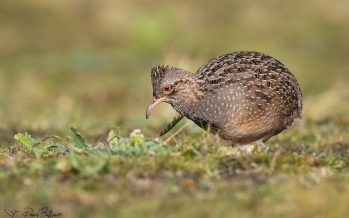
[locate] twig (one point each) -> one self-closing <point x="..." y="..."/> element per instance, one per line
<point x="46" y="138"/>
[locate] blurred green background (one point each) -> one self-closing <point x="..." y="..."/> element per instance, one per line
<point x="86" y="63"/>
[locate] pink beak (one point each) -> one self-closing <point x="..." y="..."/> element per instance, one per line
<point x="152" y="104"/>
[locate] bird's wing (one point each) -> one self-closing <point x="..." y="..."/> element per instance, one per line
<point x="236" y="62"/>
<point x="261" y="75"/>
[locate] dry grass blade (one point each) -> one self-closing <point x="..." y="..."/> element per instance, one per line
<point x="176" y="133"/>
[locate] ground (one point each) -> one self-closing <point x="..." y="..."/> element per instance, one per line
<point x="75" y="81"/>
<point x="305" y="174"/>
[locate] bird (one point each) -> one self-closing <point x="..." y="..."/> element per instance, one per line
<point x="245" y="97"/>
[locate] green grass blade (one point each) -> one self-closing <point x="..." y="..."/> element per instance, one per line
<point x="171" y="125"/>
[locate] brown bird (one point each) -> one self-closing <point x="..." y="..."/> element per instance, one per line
<point x="246" y="97"/>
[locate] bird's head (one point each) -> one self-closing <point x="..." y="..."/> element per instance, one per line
<point x="170" y="84"/>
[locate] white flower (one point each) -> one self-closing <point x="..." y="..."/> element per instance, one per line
<point x="137" y="136"/>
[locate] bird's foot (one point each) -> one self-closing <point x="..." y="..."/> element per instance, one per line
<point x="249" y="149"/>
<point x="241" y="150"/>
<point x="263" y="147"/>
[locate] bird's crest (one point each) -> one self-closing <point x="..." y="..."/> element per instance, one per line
<point x="157" y="75"/>
<point x="158" y="72"/>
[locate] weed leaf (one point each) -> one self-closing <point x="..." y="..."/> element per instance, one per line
<point x="76" y="139"/>
<point x="61" y="148"/>
<point x="25" y="139"/>
<point x="113" y="138"/>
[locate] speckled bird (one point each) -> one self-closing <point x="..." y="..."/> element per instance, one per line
<point x="245" y="97"/>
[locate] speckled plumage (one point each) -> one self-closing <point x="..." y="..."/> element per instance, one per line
<point x="244" y="96"/>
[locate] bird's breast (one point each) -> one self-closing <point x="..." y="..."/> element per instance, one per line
<point x="217" y="108"/>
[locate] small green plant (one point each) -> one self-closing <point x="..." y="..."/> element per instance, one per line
<point x="137" y="143"/>
<point x="88" y="165"/>
<point x="40" y="147"/>
<point x="26" y="140"/>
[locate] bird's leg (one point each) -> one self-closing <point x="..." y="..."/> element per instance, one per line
<point x="262" y="147"/>
<point x="208" y="133"/>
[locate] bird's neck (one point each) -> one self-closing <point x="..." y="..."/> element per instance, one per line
<point x="188" y="98"/>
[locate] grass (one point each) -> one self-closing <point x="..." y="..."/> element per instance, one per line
<point x="303" y="174"/>
<point x="74" y="83"/>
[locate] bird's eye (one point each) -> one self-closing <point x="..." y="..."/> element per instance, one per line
<point x="166" y="89"/>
